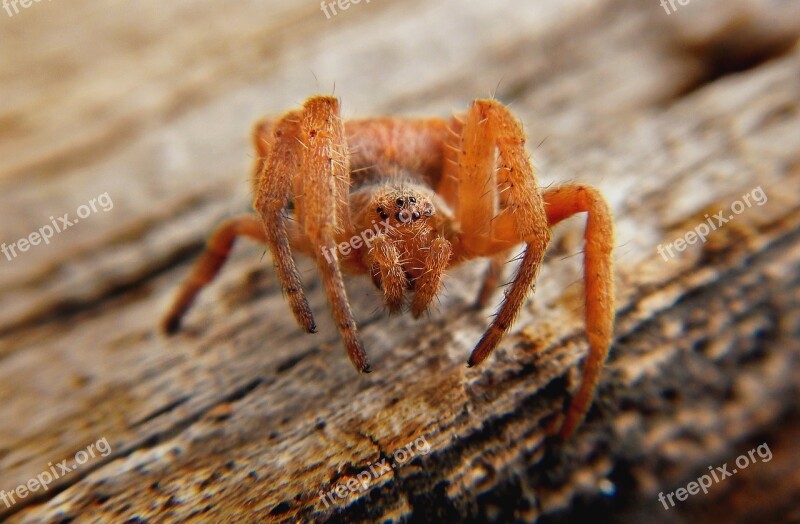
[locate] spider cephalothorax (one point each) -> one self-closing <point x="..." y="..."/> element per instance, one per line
<point x="403" y="200"/>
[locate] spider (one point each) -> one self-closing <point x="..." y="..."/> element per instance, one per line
<point x="433" y="193"/>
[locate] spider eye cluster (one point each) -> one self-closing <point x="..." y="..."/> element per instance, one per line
<point x="406" y="209"/>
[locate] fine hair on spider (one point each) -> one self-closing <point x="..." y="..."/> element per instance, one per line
<point x="442" y="191"/>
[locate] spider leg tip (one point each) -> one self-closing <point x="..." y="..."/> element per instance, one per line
<point x="565" y="432"/>
<point x="171" y="326"/>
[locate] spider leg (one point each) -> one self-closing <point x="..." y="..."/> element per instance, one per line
<point x="512" y="303"/>
<point x="563" y="202"/>
<point x="263" y="136"/>
<point x="279" y="159"/>
<point x="489" y="125"/>
<point x="428" y="284"/>
<point x="325" y="182"/>
<point x="491" y="279"/>
<point x="384" y="259"/>
<point x="218" y="248"/>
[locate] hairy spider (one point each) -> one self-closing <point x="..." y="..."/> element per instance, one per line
<point x="432" y="193"/>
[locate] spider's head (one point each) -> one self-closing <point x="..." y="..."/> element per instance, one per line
<point x="412" y="215"/>
<point x="405" y="207"/>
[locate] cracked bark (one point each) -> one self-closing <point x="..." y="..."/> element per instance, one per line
<point x="243" y="417"/>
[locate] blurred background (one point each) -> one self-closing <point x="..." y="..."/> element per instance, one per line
<point x="134" y="119"/>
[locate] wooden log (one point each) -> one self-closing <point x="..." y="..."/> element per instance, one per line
<point x="242" y="417"/>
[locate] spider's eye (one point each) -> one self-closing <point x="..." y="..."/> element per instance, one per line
<point x="384" y="215"/>
<point x="412" y="200"/>
<point x="400" y="201"/>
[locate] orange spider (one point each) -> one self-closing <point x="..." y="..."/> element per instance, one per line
<point x="432" y="194"/>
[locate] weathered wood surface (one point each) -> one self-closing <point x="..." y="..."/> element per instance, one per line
<point x="244" y="418"/>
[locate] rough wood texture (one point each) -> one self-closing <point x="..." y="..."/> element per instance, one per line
<point x="244" y="418"/>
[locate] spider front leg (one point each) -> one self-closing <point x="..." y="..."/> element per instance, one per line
<point x="489" y="126"/>
<point x="563" y="202"/>
<point x="281" y="154"/>
<point x="276" y="146"/>
<point x="324" y="184"/>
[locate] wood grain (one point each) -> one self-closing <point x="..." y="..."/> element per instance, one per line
<point x="244" y="418"/>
